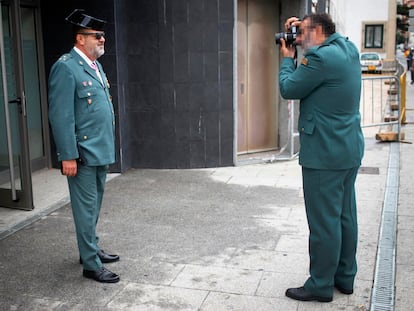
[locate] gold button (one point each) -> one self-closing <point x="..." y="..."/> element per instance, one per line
<point x="85" y="137"/>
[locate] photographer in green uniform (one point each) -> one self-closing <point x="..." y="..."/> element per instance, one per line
<point x="327" y="82"/>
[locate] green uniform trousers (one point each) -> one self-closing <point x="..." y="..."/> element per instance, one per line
<point x="86" y="193"/>
<point x="332" y="218"/>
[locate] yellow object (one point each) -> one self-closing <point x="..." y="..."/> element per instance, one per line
<point x="403" y="97"/>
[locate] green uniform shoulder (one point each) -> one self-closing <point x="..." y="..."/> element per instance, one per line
<point x="65" y="57"/>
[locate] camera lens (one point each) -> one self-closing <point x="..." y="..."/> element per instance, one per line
<point x="278" y="36"/>
<point x="289" y="37"/>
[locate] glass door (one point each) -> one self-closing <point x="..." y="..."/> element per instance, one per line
<point x="15" y="164"/>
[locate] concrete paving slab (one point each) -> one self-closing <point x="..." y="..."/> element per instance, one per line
<point x="293" y="243"/>
<point x="219" y="301"/>
<point x="274" y="284"/>
<point x="219" y="279"/>
<point x="269" y="261"/>
<point x="315" y="306"/>
<point x="147" y="270"/>
<point x="405" y="247"/>
<point x="147" y="297"/>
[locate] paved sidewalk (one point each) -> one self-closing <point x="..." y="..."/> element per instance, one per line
<point x="404" y="283"/>
<point x="211" y="239"/>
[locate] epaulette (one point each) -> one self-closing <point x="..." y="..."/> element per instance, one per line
<point x="65" y="57"/>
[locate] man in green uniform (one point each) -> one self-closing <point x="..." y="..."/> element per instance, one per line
<point x="82" y="121"/>
<point x="328" y="84"/>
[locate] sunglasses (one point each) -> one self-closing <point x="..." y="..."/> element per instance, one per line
<point x="98" y="35"/>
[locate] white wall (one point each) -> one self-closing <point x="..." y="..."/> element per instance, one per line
<point x="338" y="14"/>
<point x="349" y="16"/>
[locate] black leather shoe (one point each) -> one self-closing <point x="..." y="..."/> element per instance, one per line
<point x="344" y="290"/>
<point x="107" y="258"/>
<point x="302" y="294"/>
<point x="104" y="257"/>
<point x="102" y="275"/>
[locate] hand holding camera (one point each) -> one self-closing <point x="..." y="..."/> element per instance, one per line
<point x="292" y="21"/>
<point x="287" y="40"/>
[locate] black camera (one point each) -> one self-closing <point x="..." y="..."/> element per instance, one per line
<point x="289" y="37"/>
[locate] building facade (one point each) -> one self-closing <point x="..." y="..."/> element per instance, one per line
<point x="372" y="26"/>
<point x="194" y="82"/>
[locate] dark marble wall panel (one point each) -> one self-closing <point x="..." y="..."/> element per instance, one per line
<point x="226" y="36"/>
<point x="210" y="36"/>
<point x="196" y="66"/>
<point x="226" y="147"/>
<point x="211" y="67"/>
<point x="226" y="125"/>
<point x="166" y="53"/>
<point x="167" y="126"/>
<point x="182" y="126"/>
<point x="197" y="154"/>
<point x="182" y="97"/>
<point x="212" y="121"/>
<point x="196" y="12"/>
<point x="226" y="11"/>
<point x="226" y="96"/>
<point x="212" y="149"/>
<point x="186" y="57"/>
<point x="181" y="67"/>
<point x="211" y="12"/>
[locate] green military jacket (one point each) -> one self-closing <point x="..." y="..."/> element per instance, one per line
<point x="328" y="84"/>
<point x="81" y="114"/>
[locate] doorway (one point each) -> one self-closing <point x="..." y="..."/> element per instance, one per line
<point x="257" y="61"/>
<point x="23" y="122"/>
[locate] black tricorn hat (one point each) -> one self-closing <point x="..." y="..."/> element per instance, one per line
<point x="80" y="19"/>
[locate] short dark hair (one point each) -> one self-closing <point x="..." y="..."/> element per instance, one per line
<point x="75" y="31"/>
<point x="322" y="19"/>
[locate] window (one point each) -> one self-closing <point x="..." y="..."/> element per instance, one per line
<point x="373" y="36"/>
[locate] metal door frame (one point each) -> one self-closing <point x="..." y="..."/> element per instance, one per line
<point x="20" y="199"/>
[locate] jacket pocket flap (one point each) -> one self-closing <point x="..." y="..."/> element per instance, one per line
<point x="307" y="128"/>
<point x="83" y="93"/>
